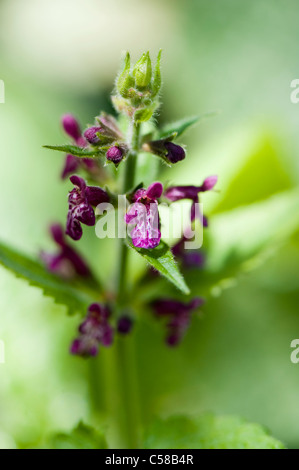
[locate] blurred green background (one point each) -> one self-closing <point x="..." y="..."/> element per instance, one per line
<point x="235" y="57"/>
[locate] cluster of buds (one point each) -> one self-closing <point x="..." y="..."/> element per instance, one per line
<point x="105" y="135"/>
<point x="136" y="95"/>
<point x="137" y="88"/>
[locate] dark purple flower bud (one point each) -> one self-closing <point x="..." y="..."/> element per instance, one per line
<point x="143" y="213"/>
<point x="165" y="149"/>
<point x="67" y="263"/>
<point x="124" y="324"/>
<point x="71" y="165"/>
<point x="197" y="214"/>
<point x="179" y="315"/>
<point x="175" y="152"/>
<point x="85" y="347"/>
<point x="81" y="200"/>
<point x="91" y="135"/>
<point x="110" y="126"/>
<point x="71" y="126"/>
<point x="115" y="154"/>
<point x="94" y="331"/>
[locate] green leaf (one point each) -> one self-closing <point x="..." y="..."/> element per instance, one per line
<point x="77" y="151"/>
<point x="241" y="239"/>
<point x="208" y="432"/>
<point x="263" y="173"/>
<point x="182" y="125"/>
<point x="82" y="437"/>
<point x="74" y="295"/>
<point x="161" y="258"/>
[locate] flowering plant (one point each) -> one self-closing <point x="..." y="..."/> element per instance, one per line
<point x="102" y="164"/>
<point x="102" y="146"/>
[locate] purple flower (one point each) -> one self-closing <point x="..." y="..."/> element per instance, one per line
<point x="81" y="201"/>
<point x="67" y="263"/>
<point x="177" y="193"/>
<point x="175" y="152"/>
<point x="93" y="331"/>
<point x="143" y="213"/>
<point x="190" y="258"/>
<point x="179" y="315"/>
<point x="115" y="154"/>
<point x="124" y="324"/>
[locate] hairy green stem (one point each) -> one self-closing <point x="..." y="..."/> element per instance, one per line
<point x="125" y="353"/>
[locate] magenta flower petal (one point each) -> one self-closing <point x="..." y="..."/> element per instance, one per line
<point x="78" y="181"/>
<point x="72" y="163"/>
<point x="209" y="183"/>
<point x="91" y="134"/>
<point x="71" y="126"/>
<point x="179" y="315"/>
<point x="124" y="324"/>
<point x="190" y="258"/>
<point x="57" y="233"/>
